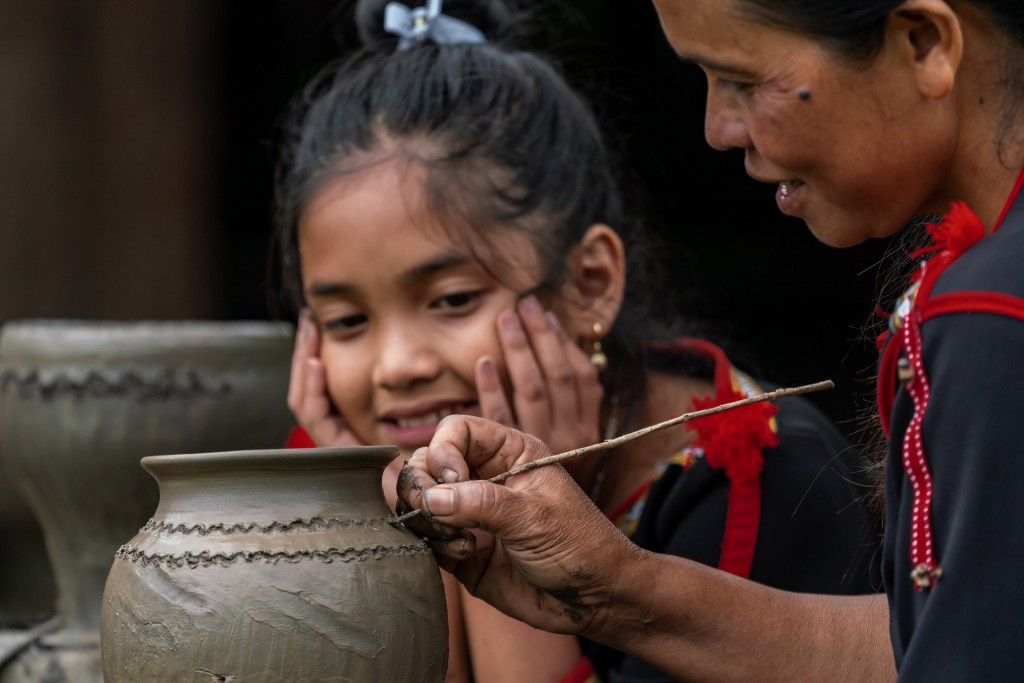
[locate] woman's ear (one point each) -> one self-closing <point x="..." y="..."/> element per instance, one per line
<point x="596" y="282"/>
<point x="931" y="41"/>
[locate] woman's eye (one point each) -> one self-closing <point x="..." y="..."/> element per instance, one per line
<point x="348" y="323"/>
<point x="738" y="86"/>
<point x="455" y="302"/>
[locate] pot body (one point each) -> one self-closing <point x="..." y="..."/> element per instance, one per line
<point x="274" y="566"/>
<point x="81" y="403"/>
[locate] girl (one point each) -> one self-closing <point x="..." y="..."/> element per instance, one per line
<point x="450" y="223"/>
<point x="865" y="114"/>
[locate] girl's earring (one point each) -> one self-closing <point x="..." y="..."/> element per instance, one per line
<point x="597" y="357"/>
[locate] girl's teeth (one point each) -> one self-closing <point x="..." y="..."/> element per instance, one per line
<point x="432" y="418"/>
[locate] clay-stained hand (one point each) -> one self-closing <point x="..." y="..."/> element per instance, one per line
<point x="535" y="547"/>
<point x="555" y="392"/>
<point x="307" y="390"/>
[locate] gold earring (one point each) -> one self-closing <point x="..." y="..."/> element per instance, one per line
<point x="597" y="357"/>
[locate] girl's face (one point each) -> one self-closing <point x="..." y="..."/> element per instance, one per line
<point x="860" y="154"/>
<point x="404" y="311"/>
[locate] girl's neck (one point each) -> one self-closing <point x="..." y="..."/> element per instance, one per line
<point x="613" y="476"/>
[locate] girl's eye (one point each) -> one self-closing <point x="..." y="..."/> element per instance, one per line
<point x="455" y="302"/>
<point x="345" y="324"/>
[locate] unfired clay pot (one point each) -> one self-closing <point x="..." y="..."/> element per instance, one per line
<point x="81" y="403"/>
<point x="274" y="566"/>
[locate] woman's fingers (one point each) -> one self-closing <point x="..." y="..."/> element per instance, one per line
<point x="462" y="444"/>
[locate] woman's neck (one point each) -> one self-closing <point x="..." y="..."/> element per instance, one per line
<point x="990" y="145"/>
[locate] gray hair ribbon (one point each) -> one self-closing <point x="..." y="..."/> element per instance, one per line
<point x="416" y="26"/>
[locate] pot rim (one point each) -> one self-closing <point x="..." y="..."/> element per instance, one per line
<point x="271" y="459"/>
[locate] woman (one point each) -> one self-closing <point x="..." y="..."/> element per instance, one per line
<point x="866" y="115"/>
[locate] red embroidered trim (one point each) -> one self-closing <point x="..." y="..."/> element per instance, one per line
<point x="957" y="232"/>
<point x="299" y="438"/>
<point x="1009" y="202"/>
<point x="922" y="552"/>
<point x="974" y="302"/>
<point x="627" y="505"/>
<point x="734" y="442"/>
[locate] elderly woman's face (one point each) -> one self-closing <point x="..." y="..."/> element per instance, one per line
<point x="855" y="150"/>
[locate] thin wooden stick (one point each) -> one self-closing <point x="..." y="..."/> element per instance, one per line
<point x="625" y="438"/>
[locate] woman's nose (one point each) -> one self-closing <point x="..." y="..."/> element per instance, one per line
<point x="724" y="128"/>
<point x="404" y="358"/>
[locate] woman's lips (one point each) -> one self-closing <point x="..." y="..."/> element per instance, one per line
<point x="788" y="195"/>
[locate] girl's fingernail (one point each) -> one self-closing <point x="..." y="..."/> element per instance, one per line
<point x="439" y="501"/>
<point x="509" y="322"/>
<point x="531" y="306"/>
<point x="487" y="368"/>
<point x="459" y="546"/>
<point x="553" y="320"/>
<point x="449" y="476"/>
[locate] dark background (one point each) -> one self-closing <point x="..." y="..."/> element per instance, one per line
<point x="137" y="141"/>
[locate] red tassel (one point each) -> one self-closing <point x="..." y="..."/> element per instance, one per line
<point x="733" y="440"/>
<point x="957" y="232"/>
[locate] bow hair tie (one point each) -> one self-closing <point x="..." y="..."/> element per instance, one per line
<point x="416" y="26"/>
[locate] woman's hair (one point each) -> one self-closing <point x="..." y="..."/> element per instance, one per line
<point x="855" y="27"/>
<point x="503" y="143"/>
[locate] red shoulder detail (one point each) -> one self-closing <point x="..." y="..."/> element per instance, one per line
<point x="733" y="442"/>
<point x="1010" y="201"/>
<point x="974" y="302"/>
<point x="299" y="438"/>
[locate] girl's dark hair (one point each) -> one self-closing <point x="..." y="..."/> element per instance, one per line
<point x="503" y="142"/>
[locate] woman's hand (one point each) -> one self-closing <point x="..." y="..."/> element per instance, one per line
<point x="536" y="547"/>
<point x="555" y="392"/>
<point x="307" y="390"/>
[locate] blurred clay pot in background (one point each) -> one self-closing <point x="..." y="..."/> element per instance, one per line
<point x="81" y="403"/>
<point x="274" y="566"/>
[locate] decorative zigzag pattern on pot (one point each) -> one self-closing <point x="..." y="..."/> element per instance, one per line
<point x="312" y="524"/>
<point x="154" y="387"/>
<point x="206" y="558"/>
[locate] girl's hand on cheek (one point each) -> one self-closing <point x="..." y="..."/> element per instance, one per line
<point x="307" y="391"/>
<point x="556" y="395"/>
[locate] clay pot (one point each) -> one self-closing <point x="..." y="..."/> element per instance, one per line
<point x="81" y="403"/>
<point x="274" y="566"/>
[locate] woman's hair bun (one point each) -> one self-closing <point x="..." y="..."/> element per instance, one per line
<point x="494" y="18"/>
